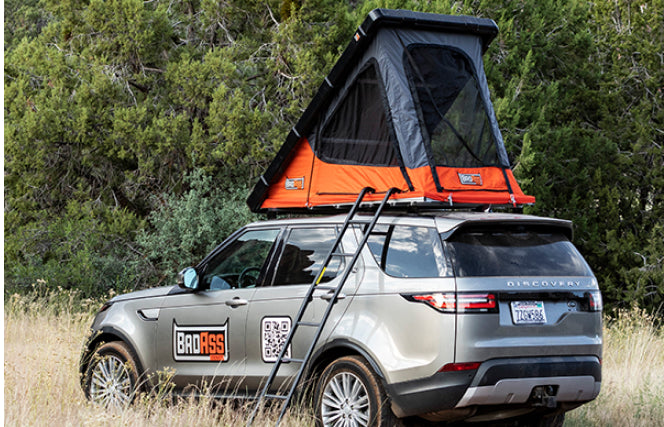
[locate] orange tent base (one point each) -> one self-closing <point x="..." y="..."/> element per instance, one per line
<point x="308" y="182"/>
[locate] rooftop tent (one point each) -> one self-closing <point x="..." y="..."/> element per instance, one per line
<point x="406" y="106"/>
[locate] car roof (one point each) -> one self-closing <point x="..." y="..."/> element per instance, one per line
<point x="446" y="221"/>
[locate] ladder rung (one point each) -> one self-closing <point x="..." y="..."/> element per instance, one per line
<point x="276" y="396"/>
<point x="314" y="324"/>
<point x="360" y="221"/>
<point x="290" y="359"/>
<point x="342" y="254"/>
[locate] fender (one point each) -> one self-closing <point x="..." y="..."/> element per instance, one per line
<point x="98" y="337"/>
<point x="343" y="347"/>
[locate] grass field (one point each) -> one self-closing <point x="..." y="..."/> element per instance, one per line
<point x="43" y="343"/>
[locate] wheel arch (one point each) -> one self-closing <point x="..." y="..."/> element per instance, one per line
<point x="340" y="348"/>
<point x="104" y="335"/>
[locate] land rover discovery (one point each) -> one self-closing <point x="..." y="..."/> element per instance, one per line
<point x="446" y="316"/>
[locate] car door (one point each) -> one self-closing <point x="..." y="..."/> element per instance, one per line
<point x="274" y="307"/>
<point x="201" y="334"/>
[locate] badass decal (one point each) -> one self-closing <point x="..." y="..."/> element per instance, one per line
<point x="274" y="332"/>
<point x="200" y="343"/>
<point x="295" y="183"/>
<point x="470" y="178"/>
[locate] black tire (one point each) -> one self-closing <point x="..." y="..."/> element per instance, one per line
<point x="111" y="378"/>
<point x="349" y="390"/>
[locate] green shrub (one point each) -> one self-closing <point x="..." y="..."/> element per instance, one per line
<point x="87" y="249"/>
<point x="183" y="229"/>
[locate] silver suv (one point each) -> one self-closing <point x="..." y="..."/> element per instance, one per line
<point x="447" y="316"/>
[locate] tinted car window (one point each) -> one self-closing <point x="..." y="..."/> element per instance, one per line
<point x="405" y="251"/>
<point x="514" y="252"/>
<point x="240" y="263"/>
<point x="303" y="254"/>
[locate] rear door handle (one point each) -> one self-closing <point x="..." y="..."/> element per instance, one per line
<point x="236" y="302"/>
<point x="328" y="296"/>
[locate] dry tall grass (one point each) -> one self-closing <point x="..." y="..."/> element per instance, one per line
<point x="42" y="347"/>
<point x="632" y="376"/>
<point x="43" y="343"/>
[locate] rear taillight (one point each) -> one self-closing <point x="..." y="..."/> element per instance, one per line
<point x="451" y="302"/>
<point x="595" y="300"/>
<point x="443" y="302"/>
<point x="476" y="303"/>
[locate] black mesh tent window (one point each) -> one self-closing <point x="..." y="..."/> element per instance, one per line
<point x="450" y="106"/>
<point x="360" y="130"/>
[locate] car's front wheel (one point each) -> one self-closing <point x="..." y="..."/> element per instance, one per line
<point x="349" y="394"/>
<point x="111" y="378"/>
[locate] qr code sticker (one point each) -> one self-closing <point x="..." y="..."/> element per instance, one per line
<point x="274" y="332"/>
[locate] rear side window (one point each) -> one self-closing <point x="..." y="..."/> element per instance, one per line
<point x="406" y="251"/>
<point x="303" y="255"/>
<point x="514" y="252"/>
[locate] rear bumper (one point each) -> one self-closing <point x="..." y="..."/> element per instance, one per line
<point x="443" y="390"/>
<point x="511" y="381"/>
<point x="499" y="382"/>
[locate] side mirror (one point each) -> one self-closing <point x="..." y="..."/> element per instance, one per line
<point x="188" y="278"/>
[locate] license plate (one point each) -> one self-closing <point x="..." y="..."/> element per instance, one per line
<point x="528" y="312"/>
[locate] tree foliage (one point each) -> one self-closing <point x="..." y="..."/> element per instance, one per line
<point x="185" y="228"/>
<point x="109" y="105"/>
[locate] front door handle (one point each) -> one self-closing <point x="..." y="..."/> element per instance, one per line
<point x="328" y="296"/>
<point x="236" y="302"/>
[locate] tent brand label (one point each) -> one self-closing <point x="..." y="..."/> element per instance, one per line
<point x="200" y="343"/>
<point x="295" y="183"/>
<point x="470" y="178"/>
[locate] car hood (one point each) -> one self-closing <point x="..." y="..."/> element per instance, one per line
<point x="145" y="293"/>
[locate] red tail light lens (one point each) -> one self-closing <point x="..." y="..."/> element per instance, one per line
<point x="450" y="302"/>
<point x="595" y="301"/>
<point x="443" y="302"/>
<point x="476" y="303"/>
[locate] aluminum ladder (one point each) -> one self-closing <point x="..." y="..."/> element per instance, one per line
<point x="315" y="285"/>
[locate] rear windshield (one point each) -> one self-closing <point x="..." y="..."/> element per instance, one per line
<point x="514" y="252"/>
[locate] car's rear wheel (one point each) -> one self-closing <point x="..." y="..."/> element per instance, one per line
<point x="111" y="377"/>
<point x="350" y="394"/>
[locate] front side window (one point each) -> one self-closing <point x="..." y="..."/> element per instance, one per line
<point x="303" y="256"/>
<point x="240" y="264"/>
<point x="514" y="251"/>
<point x="405" y="251"/>
<point x="450" y="105"/>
